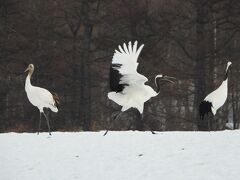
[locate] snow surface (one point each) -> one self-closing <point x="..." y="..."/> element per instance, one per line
<point x="120" y="156"/>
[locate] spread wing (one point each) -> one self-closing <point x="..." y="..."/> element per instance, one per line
<point x="123" y="70"/>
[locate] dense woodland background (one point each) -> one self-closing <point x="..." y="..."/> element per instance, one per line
<point x="71" y="43"/>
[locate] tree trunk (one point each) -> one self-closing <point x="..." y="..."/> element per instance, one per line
<point x="200" y="81"/>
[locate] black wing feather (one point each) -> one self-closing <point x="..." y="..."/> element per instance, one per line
<point x="115" y="77"/>
<point x="204" y="108"/>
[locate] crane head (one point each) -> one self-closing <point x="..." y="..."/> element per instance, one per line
<point x="229" y="63"/>
<point x="29" y="68"/>
<point x="168" y="78"/>
<point x="165" y="78"/>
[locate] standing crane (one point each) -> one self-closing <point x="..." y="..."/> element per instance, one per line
<point x="128" y="88"/>
<point x="40" y="97"/>
<point x="215" y="99"/>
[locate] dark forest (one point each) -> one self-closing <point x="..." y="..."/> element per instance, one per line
<point x="71" y="44"/>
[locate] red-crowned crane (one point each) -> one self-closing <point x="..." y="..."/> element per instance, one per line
<point x="127" y="86"/>
<point x="215" y="99"/>
<point x="40" y="97"/>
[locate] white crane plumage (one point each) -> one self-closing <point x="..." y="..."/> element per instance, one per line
<point x="215" y="99"/>
<point x="40" y="97"/>
<point x="128" y="88"/>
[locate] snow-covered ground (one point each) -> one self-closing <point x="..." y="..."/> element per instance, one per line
<point x="120" y="156"/>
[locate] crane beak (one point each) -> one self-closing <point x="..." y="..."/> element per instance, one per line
<point x="169" y="79"/>
<point x="27" y="69"/>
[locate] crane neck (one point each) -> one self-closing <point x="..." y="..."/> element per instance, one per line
<point x="28" y="79"/>
<point x="226" y="74"/>
<point x="157" y="84"/>
<point x="225" y="81"/>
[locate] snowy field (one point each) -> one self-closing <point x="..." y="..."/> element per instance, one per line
<point x="120" y="156"/>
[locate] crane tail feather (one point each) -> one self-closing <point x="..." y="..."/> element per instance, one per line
<point x="205" y="107"/>
<point x="56" y="99"/>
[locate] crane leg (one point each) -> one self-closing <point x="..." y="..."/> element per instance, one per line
<point x="210" y="123"/>
<point x="49" y="130"/>
<point x="147" y="125"/>
<point x="40" y="121"/>
<point x="209" y="126"/>
<point x="111" y="123"/>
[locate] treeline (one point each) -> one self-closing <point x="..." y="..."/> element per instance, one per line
<point x="71" y="43"/>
